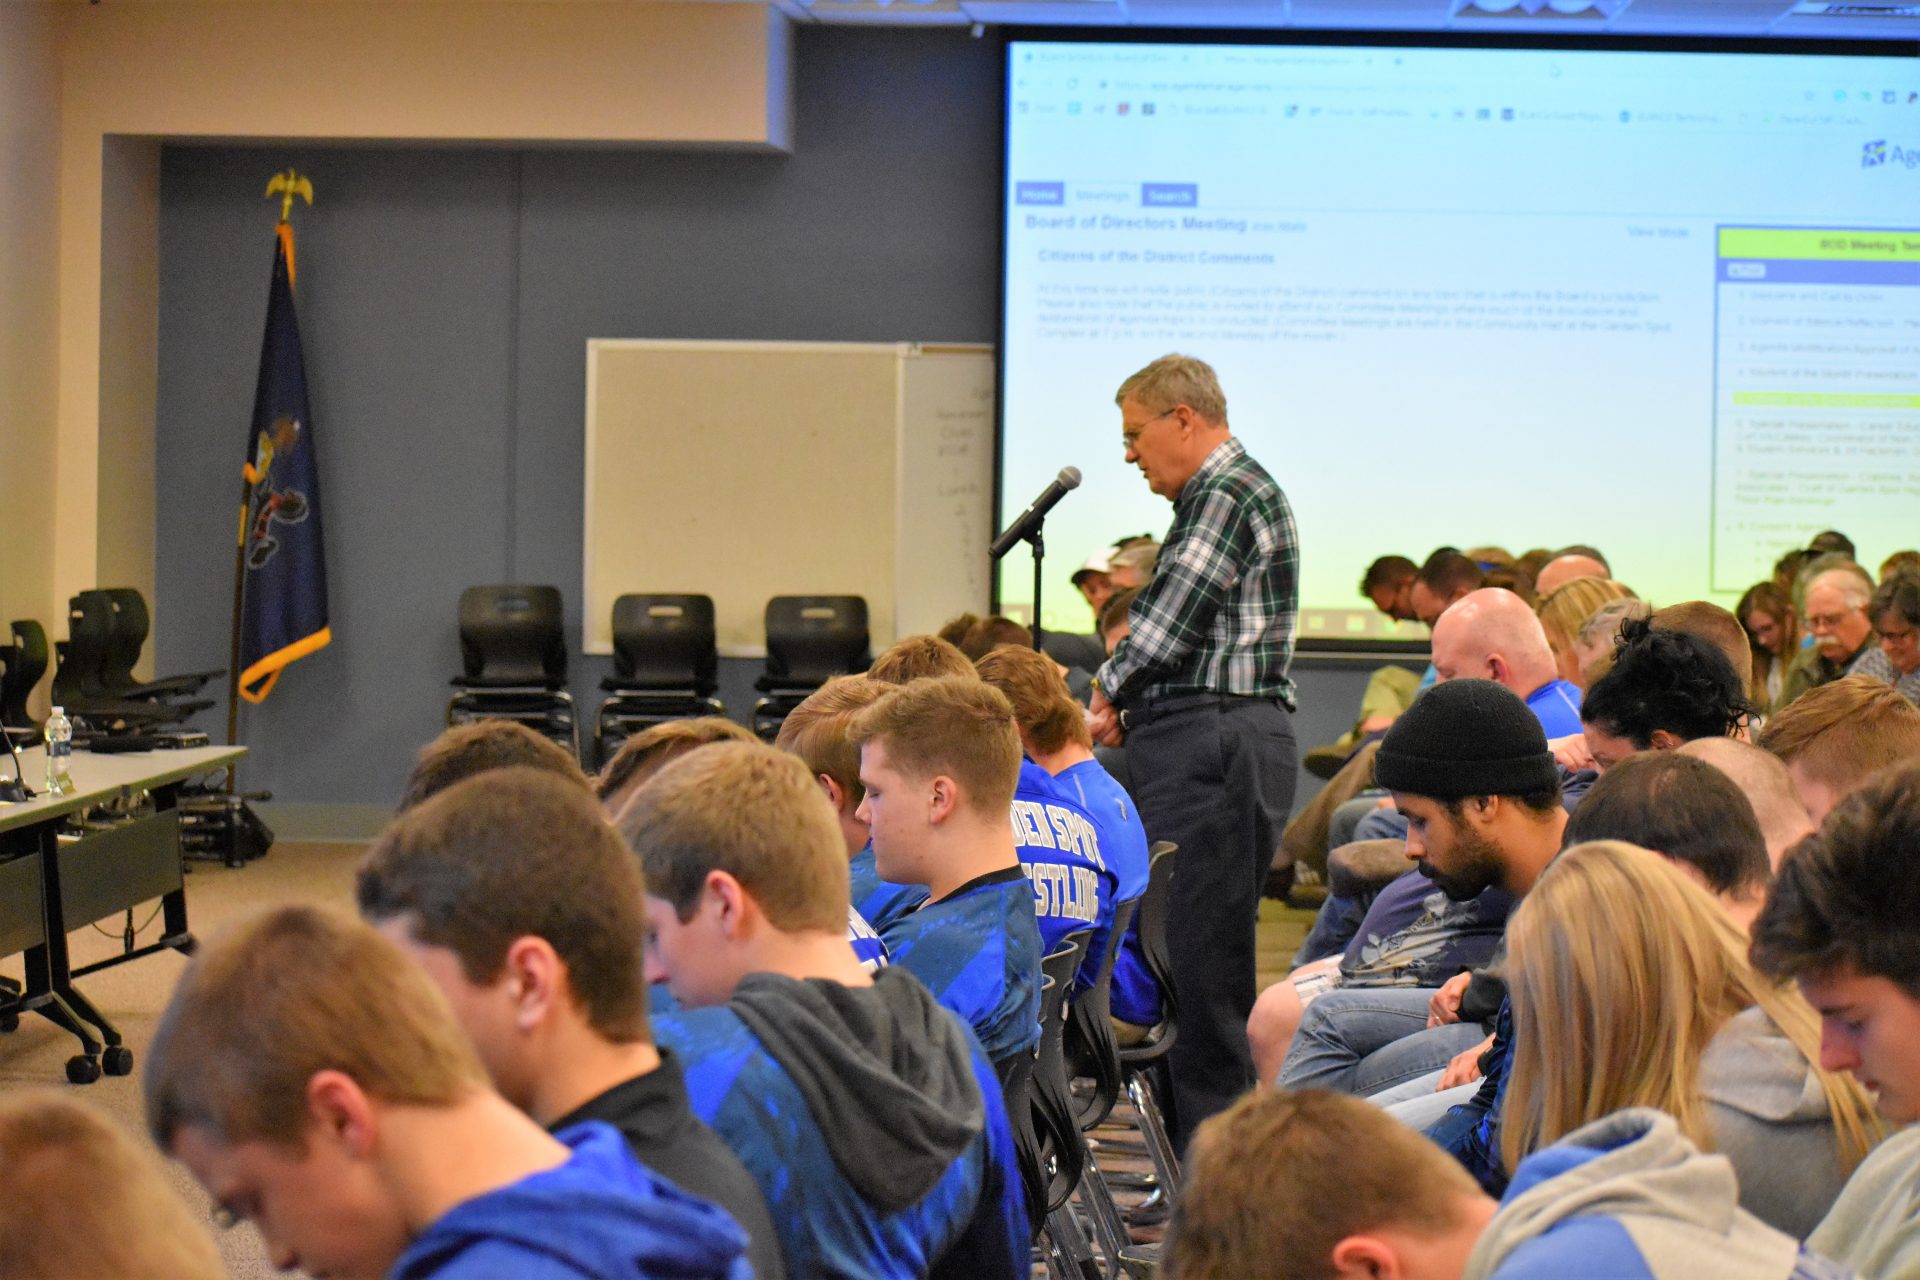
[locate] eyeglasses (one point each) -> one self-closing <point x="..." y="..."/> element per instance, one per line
<point x="1131" y="436"/>
<point x="1827" y="621"/>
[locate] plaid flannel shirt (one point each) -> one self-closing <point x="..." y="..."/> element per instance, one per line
<point x="1219" y="614"/>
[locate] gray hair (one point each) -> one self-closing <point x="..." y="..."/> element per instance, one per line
<point x="1175" y="380"/>
<point x="1854" y="584"/>
<point x="1605" y="621"/>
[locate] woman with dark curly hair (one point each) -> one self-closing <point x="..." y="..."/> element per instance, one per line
<point x="1664" y="688"/>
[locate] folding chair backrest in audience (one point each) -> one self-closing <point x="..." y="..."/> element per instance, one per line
<point x="1063" y="1152"/>
<point x="512" y="635"/>
<point x="811" y="639"/>
<point x="1154" y="906"/>
<point x="1092" y="1051"/>
<point x="26" y="662"/>
<point x="665" y="642"/>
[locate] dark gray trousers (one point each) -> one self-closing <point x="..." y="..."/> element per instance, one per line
<point x="1217" y="779"/>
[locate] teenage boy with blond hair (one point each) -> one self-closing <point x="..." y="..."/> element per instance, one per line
<point x="1835" y="737"/>
<point x="869" y="1116"/>
<point x="524" y="907"/>
<point x="466" y="749"/>
<point x="314" y="1081"/>
<point x="939" y="760"/>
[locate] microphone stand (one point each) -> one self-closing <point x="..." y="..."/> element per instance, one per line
<point x="1039" y="546"/>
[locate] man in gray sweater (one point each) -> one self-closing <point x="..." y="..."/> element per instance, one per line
<point x="1844" y="921"/>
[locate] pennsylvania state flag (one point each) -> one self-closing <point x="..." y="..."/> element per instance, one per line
<point x="283" y="614"/>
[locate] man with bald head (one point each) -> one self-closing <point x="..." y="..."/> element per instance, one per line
<point x="1491" y="634"/>
<point x="1766" y="783"/>
<point x="1562" y="569"/>
<point x="1835" y="611"/>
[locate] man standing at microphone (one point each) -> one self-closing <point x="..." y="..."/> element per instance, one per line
<point x="1200" y="694"/>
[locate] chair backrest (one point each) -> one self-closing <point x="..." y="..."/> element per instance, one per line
<point x="665" y="642"/>
<point x="127" y="628"/>
<point x="811" y="639"/>
<point x="83" y="661"/>
<point x="513" y="635"/>
<point x="1092" y="1051"/>
<point x="1154" y="906"/>
<point x="25" y="660"/>
<point x="1054" y="1119"/>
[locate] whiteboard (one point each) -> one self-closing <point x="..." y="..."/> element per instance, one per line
<point x="746" y="470"/>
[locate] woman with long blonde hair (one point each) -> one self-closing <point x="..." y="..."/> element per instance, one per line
<point x="1564" y="610"/>
<point x="1631" y="988"/>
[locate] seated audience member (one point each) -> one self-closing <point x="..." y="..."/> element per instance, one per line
<point x="955" y="629"/>
<point x="869" y="1116"/>
<point x="1054" y="736"/>
<point x="1563" y="613"/>
<point x="1688" y="812"/>
<point x="1114" y="622"/>
<point x="467" y="749"/>
<point x="653" y="748"/>
<point x="1133" y="563"/>
<point x="1491" y="634"/>
<point x="816" y="731"/>
<point x="1907" y="562"/>
<point x="1835" y="610"/>
<point x="1599" y="637"/>
<point x="1469" y="767"/>
<point x="1388" y="586"/>
<point x="1719" y="628"/>
<point x="1664" y="688"/>
<point x="1273" y="1189"/>
<point x="989" y="634"/>
<point x="1843" y="921"/>
<point x="1895" y="610"/>
<point x="1773" y="634"/>
<point x="1831" y="542"/>
<point x="1571" y="563"/>
<point x="919" y="657"/>
<point x="313" y="1080"/>
<point x="1767" y="786"/>
<point x="520" y="902"/>
<point x="84" y="1200"/>
<point x="939" y="760"/>
<point x="1094" y="579"/>
<point x="1839" y="735"/>
<point x="1446" y="577"/>
<point x="1491" y="557"/>
<point x="1631" y="988"/>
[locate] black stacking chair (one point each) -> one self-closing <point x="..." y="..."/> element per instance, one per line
<point x="513" y="656"/>
<point x="79" y="680"/>
<point x="810" y="640"/>
<point x="22" y="663"/>
<point x="127" y="631"/>
<point x="1143" y="1065"/>
<point x="1059" y="1155"/>
<point x="665" y="667"/>
<point x="1092" y="1051"/>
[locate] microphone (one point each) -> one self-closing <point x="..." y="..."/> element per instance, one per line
<point x="17" y="791"/>
<point x="1034" y="516"/>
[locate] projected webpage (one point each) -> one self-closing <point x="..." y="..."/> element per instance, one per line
<point x="1665" y="303"/>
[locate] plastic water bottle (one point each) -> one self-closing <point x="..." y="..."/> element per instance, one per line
<point x="59" y="753"/>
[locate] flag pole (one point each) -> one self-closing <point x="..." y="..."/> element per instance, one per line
<point x="285" y="185"/>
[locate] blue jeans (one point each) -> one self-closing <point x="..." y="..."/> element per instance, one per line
<point x="1422" y="1112"/>
<point x="1366" y="1039"/>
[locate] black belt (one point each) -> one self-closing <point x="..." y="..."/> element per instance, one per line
<point x="1148" y="712"/>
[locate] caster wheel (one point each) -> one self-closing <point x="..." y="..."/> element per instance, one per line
<point x="117" y="1060"/>
<point x="9" y="1022"/>
<point x="82" y="1070"/>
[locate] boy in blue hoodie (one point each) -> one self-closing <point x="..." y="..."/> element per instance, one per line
<point x="1624" y="1198"/>
<point x="939" y="759"/>
<point x="314" y="1081"/>
<point x="868" y="1115"/>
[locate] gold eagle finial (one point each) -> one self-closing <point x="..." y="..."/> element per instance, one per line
<point x="288" y="185"/>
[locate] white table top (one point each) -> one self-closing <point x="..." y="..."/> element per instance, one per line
<point x="98" y="778"/>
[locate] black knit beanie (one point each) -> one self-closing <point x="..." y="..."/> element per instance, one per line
<point x="1466" y="738"/>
